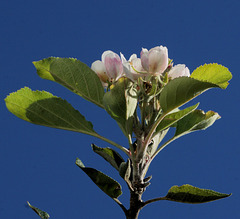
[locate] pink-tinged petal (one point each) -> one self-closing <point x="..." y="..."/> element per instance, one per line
<point x="158" y="60"/>
<point x="179" y="70"/>
<point x="100" y="70"/>
<point x="113" y="65"/>
<point x="105" y="54"/>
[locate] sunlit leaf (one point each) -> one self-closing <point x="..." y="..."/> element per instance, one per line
<point x="213" y="73"/>
<point x="109" y="155"/>
<point x="42" y="214"/>
<point x="74" y="75"/>
<point x="43" y="108"/>
<point x="193" y="195"/>
<point x="104" y="182"/>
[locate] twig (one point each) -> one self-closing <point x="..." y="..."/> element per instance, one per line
<point x="153" y="200"/>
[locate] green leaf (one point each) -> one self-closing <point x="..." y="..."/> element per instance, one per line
<point x="172" y="118"/>
<point x="42" y="214"/>
<point x="121" y="102"/>
<point x="74" y="75"/>
<point x="42" y="108"/>
<point x="196" y="120"/>
<point x="125" y="171"/>
<point x="156" y="139"/>
<point x="193" y="195"/>
<point x="109" y="155"/>
<point x="104" y="182"/>
<point x="213" y="73"/>
<point x="183" y="89"/>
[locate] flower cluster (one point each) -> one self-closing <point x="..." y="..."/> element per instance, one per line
<point x="153" y="62"/>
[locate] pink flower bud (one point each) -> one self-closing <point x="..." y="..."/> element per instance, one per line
<point x="179" y="70"/>
<point x="155" y="61"/>
<point x="113" y="65"/>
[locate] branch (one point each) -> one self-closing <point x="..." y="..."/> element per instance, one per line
<point x="125" y="150"/>
<point x="121" y="205"/>
<point x="153" y="200"/>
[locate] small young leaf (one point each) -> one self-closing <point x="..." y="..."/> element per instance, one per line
<point x="109" y="155"/>
<point x="42" y="108"/>
<point x="193" y="195"/>
<point x="196" y="120"/>
<point x="172" y="118"/>
<point x="74" y="75"/>
<point x="104" y="182"/>
<point x="157" y="138"/>
<point x="213" y="73"/>
<point x="121" y="102"/>
<point x="42" y="214"/>
<point x="125" y="171"/>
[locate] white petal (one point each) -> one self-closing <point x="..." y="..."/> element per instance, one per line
<point x="123" y="58"/>
<point x="100" y="70"/>
<point x="98" y="66"/>
<point x="179" y="70"/>
<point x="145" y="59"/>
<point x="132" y="57"/>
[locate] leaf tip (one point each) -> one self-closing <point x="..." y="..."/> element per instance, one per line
<point x="79" y="163"/>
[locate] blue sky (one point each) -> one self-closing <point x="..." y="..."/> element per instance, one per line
<point x="37" y="163"/>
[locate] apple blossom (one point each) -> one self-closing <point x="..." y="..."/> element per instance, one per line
<point x="133" y="67"/>
<point x="179" y="70"/>
<point x="113" y="65"/>
<point x="155" y="61"/>
<point x="110" y="69"/>
<point x="145" y="109"/>
<point x="99" y="68"/>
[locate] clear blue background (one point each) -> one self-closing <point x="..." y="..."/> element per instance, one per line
<point x="37" y="163"/>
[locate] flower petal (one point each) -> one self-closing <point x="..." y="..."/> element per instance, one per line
<point x="179" y="70"/>
<point x="113" y="65"/>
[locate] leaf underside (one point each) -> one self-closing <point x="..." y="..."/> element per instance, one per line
<point x="109" y="155"/>
<point x="108" y="185"/>
<point x="196" y="120"/>
<point x="42" y="214"/>
<point x="172" y="118"/>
